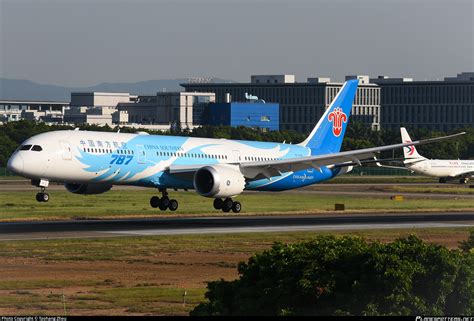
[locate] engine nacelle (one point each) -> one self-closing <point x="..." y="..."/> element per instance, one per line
<point x="219" y="181"/>
<point x="87" y="189"/>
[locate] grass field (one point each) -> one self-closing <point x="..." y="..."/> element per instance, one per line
<point x="141" y="275"/>
<point x="135" y="203"/>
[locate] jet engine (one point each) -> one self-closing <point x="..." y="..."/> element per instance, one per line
<point x="87" y="189"/>
<point x="219" y="181"/>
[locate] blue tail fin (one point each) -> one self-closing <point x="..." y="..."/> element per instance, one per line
<point x="326" y="137"/>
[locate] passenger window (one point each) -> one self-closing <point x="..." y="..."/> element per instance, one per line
<point x="37" y="148"/>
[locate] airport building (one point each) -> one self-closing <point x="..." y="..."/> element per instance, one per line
<point x="43" y="111"/>
<point x="435" y="105"/>
<point x="265" y="116"/>
<point x="97" y="108"/>
<point x="380" y="102"/>
<point x="166" y="108"/>
<point x="301" y="103"/>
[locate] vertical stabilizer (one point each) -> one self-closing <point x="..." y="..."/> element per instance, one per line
<point x="409" y="152"/>
<point x="326" y="137"/>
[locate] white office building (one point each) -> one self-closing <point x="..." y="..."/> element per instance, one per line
<point x="166" y="108"/>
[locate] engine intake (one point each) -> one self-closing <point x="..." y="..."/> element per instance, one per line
<point x="219" y="181"/>
<point x="87" y="189"/>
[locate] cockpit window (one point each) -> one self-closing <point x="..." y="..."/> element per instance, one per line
<point x="25" y="147"/>
<point x="37" y="148"/>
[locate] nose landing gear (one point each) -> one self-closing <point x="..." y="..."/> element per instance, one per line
<point x="41" y="196"/>
<point x="164" y="202"/>
<point x="227" y="205"/>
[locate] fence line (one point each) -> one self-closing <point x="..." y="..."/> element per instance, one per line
<point x="380" y="171"/>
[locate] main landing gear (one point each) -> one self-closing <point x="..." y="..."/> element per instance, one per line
<point x="226" y="205"/>
<point x="164" y="202"/>
<point x="41" y="196"/>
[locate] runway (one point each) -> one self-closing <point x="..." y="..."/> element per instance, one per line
<point x="227" y="224"/>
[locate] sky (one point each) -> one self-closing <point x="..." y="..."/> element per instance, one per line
<point x="83" y="43"/>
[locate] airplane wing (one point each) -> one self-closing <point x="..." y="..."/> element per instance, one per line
<point x="277" y="167"/>
<point x="463" y="175"/>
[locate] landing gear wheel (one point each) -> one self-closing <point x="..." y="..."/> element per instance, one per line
<point x="42" y="197"/>
<point x="227" y="205"/>
<point x="218" y="203"/>
<point x="164" y="203"/>
<point x="236" y="207"/>
<point x="154" y="201"/>
<point x="173" y="205"/>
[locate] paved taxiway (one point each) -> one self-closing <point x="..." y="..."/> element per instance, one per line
<point x="227" y="224"/>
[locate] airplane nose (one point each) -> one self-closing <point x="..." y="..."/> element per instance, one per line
<point x="15" y="164"/>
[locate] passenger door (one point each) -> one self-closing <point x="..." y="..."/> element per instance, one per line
<point x="236" y="155"/>
<point x="141" y="154"/>
<point x="65" y="150"/>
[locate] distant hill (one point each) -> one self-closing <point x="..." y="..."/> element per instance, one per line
<point x="18" y="89"/>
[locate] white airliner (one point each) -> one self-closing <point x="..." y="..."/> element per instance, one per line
<point x="444" y="169"/>
<point x="90" y="162"/>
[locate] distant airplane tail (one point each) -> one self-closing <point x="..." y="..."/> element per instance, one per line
<point x="326" y="137"/>
<point x="409" y="152"/>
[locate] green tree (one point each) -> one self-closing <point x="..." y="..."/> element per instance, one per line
<point x="468" y="245"/>
<point x="348" y="276"/>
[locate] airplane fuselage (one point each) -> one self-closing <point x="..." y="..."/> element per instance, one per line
<point x="442" y="168"/>
<point x="80" y="157"/>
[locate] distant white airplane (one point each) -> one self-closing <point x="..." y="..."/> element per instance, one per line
<point x="444" y="169"/>
<point x="92" y="162"/>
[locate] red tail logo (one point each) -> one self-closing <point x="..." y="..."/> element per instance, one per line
<point x="337" y="117"/>
<point x="411" y="148"/>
